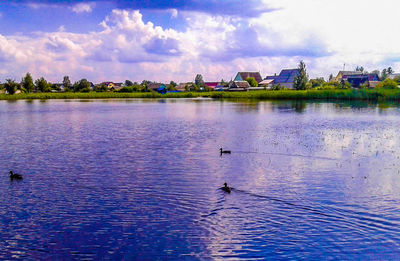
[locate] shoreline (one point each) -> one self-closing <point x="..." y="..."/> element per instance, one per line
<point x="328" y="95"/>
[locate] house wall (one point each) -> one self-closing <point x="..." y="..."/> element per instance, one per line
<point x="288" y="85"/>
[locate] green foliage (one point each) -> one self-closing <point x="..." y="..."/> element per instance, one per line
<point x="42" y="85"/>
<point x="252" y="81"/>
<point x="388" y="84"/>
<point x="86" y="89"/>
<point x="172" y="83"/>
<point x="11" y="86"/>
<point x="27" y="83"/>
<point x="81" y="85"/>
<point x="300" y="81"/>
<point x="66" y="83"/>
<point x="346" y="85"/>
<point x="198" y="81"/>
<point x="316" y="82"/>
<point x="379" y="94"/>
<point x="397" y="79"/>
<point x="277" y="87"/>
<point x="128" y="83"/>
<point x="126" y="89"/>
<point x="55" y="87"/>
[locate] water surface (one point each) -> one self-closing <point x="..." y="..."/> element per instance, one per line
<point x="138" y="179"/>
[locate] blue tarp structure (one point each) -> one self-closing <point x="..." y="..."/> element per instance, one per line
<point x="162" y="89"/>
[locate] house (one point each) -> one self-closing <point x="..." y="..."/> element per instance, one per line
<point x="242" y="76"/>
<point x="162" y="89"/>
<point x="238" y="86"/>
<point x="157" y="87"/>
<point x="211" y="85"/>
<point x="266" y="83"/>
<point x="285" y="78"/>
<point x="393" y="76"/>
<point x="118" y="86"/>
<point x="370" y="80"/>
<point x="342" y="75"/>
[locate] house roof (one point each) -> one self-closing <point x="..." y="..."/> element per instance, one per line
<point x="349" y="73"/>
<point x="240" y="84"/>
<point x="155" y="86"/>
<point x="286" y="76"/>
<point x="211" y="84"/>
<point x="255" y="75"/>
<point x="266" y="81"/>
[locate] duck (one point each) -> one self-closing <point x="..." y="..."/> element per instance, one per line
<point x="224" y="151"/>
<point x="226" y="188"/>
<point x="15" y="176"/>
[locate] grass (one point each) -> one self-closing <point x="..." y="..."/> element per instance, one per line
<point x="363" y="94"/>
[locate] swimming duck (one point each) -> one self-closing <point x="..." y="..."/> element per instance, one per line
<point x="226" y="188"/>
<point x="224" y="151"/>
<point x="15" y="176"/>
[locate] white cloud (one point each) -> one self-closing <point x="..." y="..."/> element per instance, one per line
<point x="83" y="7"/>
<point x="174" y="12"/>
<point x="323" y="33"/>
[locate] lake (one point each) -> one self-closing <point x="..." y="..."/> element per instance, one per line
<point x="139" y="180"/>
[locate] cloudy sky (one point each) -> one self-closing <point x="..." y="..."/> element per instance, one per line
<point x="174" y="40"/>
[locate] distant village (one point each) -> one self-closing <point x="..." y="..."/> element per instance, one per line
<point x="243" y="81"/>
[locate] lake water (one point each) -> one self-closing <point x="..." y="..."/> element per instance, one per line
<point x="139" y="179"/>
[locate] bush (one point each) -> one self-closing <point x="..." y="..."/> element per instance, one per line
<point x="388" y="84"/>
<point x="86" y="89"/>
<point x="126" y="89"/>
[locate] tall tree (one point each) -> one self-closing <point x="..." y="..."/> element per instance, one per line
<point x="42" y="85"/>
<point x="300" y="80"/>
<point x="11" y="86"/>
<point x="67" y="83"/>
<point x="390" y="70"/>
<point x="27" y="83"/>
<point x="199" y="80"/>
<point x="83" y="84"/>
<point x="384" y="74"/>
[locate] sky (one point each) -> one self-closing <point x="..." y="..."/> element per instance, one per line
<point x="175" y="40"/>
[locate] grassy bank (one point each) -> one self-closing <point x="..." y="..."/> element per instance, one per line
<point x="366" y="95"/>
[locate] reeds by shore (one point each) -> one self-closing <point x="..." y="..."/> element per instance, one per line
<point x="349" y="94"/>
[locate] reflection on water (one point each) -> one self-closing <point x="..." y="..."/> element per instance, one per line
<point x="139" y="179"/>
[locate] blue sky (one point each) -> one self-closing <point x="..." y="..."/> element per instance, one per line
<point x="175" y="40"/>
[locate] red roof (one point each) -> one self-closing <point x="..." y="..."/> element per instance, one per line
<point x="211" y="84"/>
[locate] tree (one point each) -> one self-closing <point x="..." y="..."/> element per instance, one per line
<point x="300" y="80"/>
<point x="128" y="83"/>
<point x="82" y="86"/>
<point x="174" y="84"/>
<point x="252" y="81"/>
<point x="11" y="86"/>
<point x="27" y="83"/>
<point x="390" y="70"/>
<point x="198" y="81"/>
<point x="384" y="74"/>
<point x="330" y="77"/>
<point x="66" y="83"/>
<point x="42" y="85"/>
<point x="314" y="83"/>
<point x="359" y="69"/>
